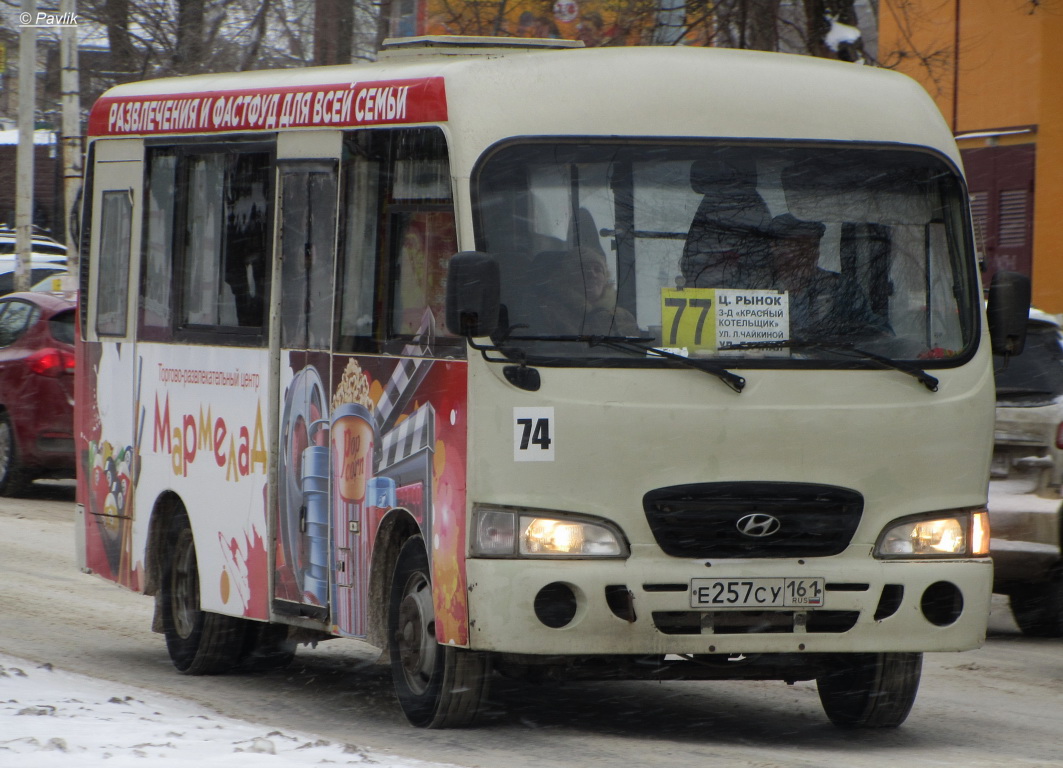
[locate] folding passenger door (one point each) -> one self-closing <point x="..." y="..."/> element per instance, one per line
<point x="307" y="186"/>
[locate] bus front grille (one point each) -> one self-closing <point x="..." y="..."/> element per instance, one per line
<point x="753" y="519"/>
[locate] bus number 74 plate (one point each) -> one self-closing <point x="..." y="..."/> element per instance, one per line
<point x="756" y="593"/>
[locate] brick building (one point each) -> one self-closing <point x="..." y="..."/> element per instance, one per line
<point x="47" y="182"/>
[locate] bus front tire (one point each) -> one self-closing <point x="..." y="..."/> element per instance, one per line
<point x="438" y="686"/>
<point x="870" y="690"/>
<point x="199" y="642"/>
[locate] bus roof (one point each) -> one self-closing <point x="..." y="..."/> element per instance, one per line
<point x="487" y="94"/>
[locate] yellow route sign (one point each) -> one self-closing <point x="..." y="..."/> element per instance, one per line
<point x="687" y="317"/>
<point x="715" y="318"/>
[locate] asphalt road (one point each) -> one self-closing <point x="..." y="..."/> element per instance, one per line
<point x="1000" y="705"/>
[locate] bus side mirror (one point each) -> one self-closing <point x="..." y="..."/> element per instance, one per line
<point x="472" y="294"/>
<point x="1008" y="312"/>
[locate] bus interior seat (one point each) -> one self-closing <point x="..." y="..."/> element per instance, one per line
<point x="731" y="216"/>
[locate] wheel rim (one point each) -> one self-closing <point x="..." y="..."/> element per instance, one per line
<point x="5" y="449"/>
<point x="185" y="585"/>
<point x="415" y="636"/>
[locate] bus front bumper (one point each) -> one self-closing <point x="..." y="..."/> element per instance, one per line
<point x="580" y="607"/>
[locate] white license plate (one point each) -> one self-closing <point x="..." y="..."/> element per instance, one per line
<point x="756" y="593"/>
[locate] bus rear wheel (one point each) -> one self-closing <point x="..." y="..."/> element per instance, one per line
<point x="438" y="686"/>
<point x="870" y="690"/>
<point x="199" y="642"/>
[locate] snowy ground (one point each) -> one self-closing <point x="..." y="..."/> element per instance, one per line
<point x="54" y="719"/>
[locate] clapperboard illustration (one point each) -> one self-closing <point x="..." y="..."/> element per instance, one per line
<point x="406" y="458"/>
<point x="407" y="446"/>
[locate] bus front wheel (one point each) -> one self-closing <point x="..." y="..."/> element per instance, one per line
<point x="199" y="642"/>
<point x="870" y="690"/>
<point x="438" y="686"/>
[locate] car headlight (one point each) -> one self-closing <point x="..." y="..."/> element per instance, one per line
<point x="515" y="532"/>
<point x="951" y="533"/>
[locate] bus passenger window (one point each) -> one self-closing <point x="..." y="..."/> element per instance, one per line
<point x="308" y="229"/>
<point x="222" y="264"/>
<point x="157" y="271"/>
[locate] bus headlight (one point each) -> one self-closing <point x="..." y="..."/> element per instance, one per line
<point x="514" y="532"/>
<point x="952" y="533"/>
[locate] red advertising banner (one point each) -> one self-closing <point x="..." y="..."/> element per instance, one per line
<point x="420" y="100"/>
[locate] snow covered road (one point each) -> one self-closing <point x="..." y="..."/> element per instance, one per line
<point x="55" y="719"/>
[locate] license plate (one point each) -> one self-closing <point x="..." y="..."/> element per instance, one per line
<point x="756" y="593"/>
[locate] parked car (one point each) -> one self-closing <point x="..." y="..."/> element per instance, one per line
<point x="38" y="273"/>
<point x="40" y="244"/>
<point x="1026" y="518"/>
<point x="36" y="388"/>
<point x="47" y="258"/>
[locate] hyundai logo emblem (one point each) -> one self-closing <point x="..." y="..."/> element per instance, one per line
<point x="758" y="525"/>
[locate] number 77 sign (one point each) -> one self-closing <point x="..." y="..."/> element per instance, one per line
<point x="688" y="318"/>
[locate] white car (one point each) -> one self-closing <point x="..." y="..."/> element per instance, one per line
<point x="47" y="258"/>
<point x="40" y="269"/>
<point x="1024" y="489"/>
<point x="41" y="244"/>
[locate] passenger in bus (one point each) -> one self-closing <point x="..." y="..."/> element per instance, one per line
<point x="577" y="295"/>
<point x="727" y="245"/>
<point x="822" y="302"/>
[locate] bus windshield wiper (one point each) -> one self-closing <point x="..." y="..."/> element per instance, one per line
<point x="914" y="371"/>
<point x="638" y="344"/>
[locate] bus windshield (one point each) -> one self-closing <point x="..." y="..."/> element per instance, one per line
<point x="755" y="254"/>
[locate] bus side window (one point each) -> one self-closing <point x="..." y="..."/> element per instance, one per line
<point x="208" y="243"/>
<point x="358" y="330"/>
<point x="307" y="232"/>
<point x="156" y="299"/>
<point x="400" y="234"/>
<point x="112" y="292"/>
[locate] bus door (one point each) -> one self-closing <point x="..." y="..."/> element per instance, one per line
<point x="114" y="427"/>
<point x="307" y="199"/>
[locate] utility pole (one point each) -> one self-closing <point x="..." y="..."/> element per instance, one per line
<point x="27" y="108"/>
<point x="70" y="96"/>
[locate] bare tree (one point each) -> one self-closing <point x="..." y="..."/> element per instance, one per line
<point x="333" y="31"/>
<point x="935" y="56"/>
<point x="749" y="24"/>
<point x="114" y="16"/>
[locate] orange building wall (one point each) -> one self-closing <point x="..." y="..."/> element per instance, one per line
<point x="999" y="65"/>
<point x="1048" y="193"/>
<point x="999" y="57"/>
<point x="1010" y="74"/>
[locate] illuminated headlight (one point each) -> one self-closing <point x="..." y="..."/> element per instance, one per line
<point x="953" y="533"/>
<point x="512" y="532"/>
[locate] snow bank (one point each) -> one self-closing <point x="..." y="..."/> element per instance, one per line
<point x="54" y="719"/>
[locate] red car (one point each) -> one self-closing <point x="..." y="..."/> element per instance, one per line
<point x="36" y="388"/>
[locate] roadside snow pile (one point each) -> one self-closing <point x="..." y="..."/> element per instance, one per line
<point x="54" y="719"/>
